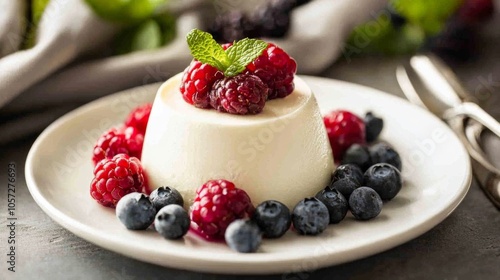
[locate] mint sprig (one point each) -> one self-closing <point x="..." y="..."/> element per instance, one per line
<point x="231" y="61"/>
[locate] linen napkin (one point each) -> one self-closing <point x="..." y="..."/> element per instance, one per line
<point x="55" y="72"/>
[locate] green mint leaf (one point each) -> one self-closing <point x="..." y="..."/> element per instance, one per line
<point x="206" y="50"/>
<point x="242" y="53"/>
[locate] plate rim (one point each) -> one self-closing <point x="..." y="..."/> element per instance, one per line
<point x="83" y="231"/>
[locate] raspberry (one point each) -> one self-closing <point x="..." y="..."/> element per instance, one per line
<point x="276" y="69"/>
<point x="116" y="177"/>
<point x="139" y="117"/>
<point x="344" y="129"/>
<point x="196" y="83"/>
<point x="242" y="94"/>
<point x="123" y="140"/>
<point x="217" y="204"/>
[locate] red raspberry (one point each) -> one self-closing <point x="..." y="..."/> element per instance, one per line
<point x="116" y="177"/>
<point x="196" y="83"/>
<point x="123" y="140"/>
<point x="276" y="69"/>
<point x="139" y="117"/>
<point x="217" y="204"/>
<point x="344" y="129"/>
<point x="242" y="94"/>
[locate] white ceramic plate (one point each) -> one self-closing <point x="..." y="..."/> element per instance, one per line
<point x="436" y="172"/>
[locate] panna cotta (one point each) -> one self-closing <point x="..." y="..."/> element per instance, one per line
<point x="282" y="153"/>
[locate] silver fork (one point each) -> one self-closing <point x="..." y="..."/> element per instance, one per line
<point x="429" y="83"/>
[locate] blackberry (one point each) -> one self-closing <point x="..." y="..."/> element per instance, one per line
<point x="232" y="26"/>
<point x="274" y="20"/>
<point x="242" y="94"/>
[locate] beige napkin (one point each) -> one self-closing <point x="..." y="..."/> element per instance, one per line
<point x="47" y="75"/>
<point x="12" y="25"/>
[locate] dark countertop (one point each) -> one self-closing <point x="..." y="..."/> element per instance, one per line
<point x="466" y="245"/>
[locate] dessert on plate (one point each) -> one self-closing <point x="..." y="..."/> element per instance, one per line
<point x="235" y="149"/>
<point x="280" y="152"/>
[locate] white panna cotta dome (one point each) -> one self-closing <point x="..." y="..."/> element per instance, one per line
<point x="282" y="153"/>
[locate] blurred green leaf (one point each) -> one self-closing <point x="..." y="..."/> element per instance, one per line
<point x="37" y="9"/>
<point x="167" y="23"/>
<point x="125" y="11"/>
<point x="430" y="15"/>
<point x="382" y="37"/>
<point x="144" y="36"/>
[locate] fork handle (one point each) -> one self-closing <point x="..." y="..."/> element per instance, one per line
<point x="473" y="111"/>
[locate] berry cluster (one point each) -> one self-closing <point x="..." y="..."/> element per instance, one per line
<point x="269" y="76"/>
<point x="164" y="207"/>
<point x="223" y="211"/>
<point x="368" y="174"/>
<point x="116" y="155"/>
<point x="271" y="20"/>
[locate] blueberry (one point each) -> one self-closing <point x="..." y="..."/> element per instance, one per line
<point x="385" y="179"/>
<point x="310" y="216"/>
<point x="273" y="218"/>
<point x="359" y="155"/>
<point x="348" y="170"/>
<point x="335" y="202"/>
<point x="345" y="186"/>
<point x="172" y="221"/>
<point x="373" y="127"/>
<point x="365" y="203"/>
<point x="164" y="196"/>
<point x="383" y="153"/>
<point x="243" y="236"/>
<point x="135" y="211"/>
